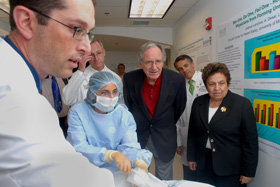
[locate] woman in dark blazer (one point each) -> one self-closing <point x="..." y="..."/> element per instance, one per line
<point x="222" y="140"/>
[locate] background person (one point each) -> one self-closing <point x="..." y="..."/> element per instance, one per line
<point x="223" y="140"/>
<point x="47" y="37"/>
<point x="156" y="97"/>
<point x="121" y="70"/>
<point x="194" y="87"/>
<point x="104" y="131"/>
<point x="77" y="87"/>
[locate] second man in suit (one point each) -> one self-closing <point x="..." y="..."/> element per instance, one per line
<point x="156" y="97"/>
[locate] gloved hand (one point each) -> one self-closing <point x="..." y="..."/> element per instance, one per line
<point x="121" y="161"/>
<point x="142" y="165"/>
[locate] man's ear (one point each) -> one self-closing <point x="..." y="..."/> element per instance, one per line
<point x="25" y="20"/>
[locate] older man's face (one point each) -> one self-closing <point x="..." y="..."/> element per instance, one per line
<point x="98" y="56"/>
<point x="152" y="64"/>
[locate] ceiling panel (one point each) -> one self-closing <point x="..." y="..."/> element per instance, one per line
<point x="114" y="12"/>
<point x="124" y="3"/>
<point x="118" y="17"/>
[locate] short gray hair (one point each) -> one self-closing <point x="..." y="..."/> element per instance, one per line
<point x="98" y="41"/>
<point x="149" y="45"/>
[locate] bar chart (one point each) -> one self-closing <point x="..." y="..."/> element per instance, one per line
<point x="266" y="104"/>
<point x="267" y="112"/>
<point x="262" y="56"/>
<point x="266" y="58"/>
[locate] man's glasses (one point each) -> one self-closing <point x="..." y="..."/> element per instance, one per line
<point x="150" y="63"/>
<point x="79" y="33"/>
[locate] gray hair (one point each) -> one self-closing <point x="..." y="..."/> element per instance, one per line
<point x="149" y="45"/>
<point x="98" y="41"/>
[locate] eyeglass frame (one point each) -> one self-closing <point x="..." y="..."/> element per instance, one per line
<point x="150" y="63"/>
<point x="76" y="29"/>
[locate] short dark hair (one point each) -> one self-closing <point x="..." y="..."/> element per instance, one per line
<point x="43" y="6"/>
<point x="213" y="68"/>
<point x="183" y="57"/>
<point x="121" y="65"/>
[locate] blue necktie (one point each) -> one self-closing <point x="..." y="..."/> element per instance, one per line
<point x="56" y="96"/>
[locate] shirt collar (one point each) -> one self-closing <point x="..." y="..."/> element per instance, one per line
<point x="195" y="76"/>
<point x="33" y="71"/>
<point x="92" y="70"/>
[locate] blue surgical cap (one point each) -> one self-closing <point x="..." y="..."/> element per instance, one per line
<point x="97" y="81"/>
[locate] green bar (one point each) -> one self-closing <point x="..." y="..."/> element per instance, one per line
<point x="258" y="57"/>
<point x="262" y="116"/>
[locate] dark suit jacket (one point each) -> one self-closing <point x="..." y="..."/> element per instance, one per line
<point x="232" y="133"/>
<point x="170" y="106"/>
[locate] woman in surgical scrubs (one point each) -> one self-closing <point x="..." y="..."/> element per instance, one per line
<point x="104" y="131"/>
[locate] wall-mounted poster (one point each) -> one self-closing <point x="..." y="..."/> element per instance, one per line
<point x="250" y="46"/>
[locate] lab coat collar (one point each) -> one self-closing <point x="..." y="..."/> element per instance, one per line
<point x="33" y="71"/>
<point x="194" y="77"/>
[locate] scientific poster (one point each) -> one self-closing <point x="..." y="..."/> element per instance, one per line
<point x="199" y="50"/>
<point x="250" y="46"/>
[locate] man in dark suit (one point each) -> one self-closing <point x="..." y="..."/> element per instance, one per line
<point x="156" y="97"/>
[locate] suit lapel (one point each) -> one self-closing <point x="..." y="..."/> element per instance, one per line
<point x="203" y="111"/>
<point x="223" y="110"/>
<point x="163" y="93"/>
<point x="138" y="86"/>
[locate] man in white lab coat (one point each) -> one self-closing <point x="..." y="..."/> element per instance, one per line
<point x="195" y="87"/>
<point x="47" y="37"/>
<point x="77" y="87"/>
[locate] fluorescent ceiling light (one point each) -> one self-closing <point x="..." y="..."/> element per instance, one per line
<point x="4" y="5"/>
<point x="149" y="8"/>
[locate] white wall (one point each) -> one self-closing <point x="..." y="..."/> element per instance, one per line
<point x="128" y="58"/>
<point x="162" y="35"/>
<point x="4" y="28"/>
<point x="190" y="27"/>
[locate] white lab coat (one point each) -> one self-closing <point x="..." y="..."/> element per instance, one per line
<point x="77" y="87"/>
<point x="33" y="151"/>
<point x="183" y="123"/>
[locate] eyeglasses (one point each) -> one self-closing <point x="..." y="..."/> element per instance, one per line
<point x="79" y="33"/>
<point x="150" y="63"/>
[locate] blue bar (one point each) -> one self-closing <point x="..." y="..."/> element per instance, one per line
<point x="272" y="55"/>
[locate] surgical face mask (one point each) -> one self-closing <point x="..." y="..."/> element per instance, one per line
<point x="105" y="104"/>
